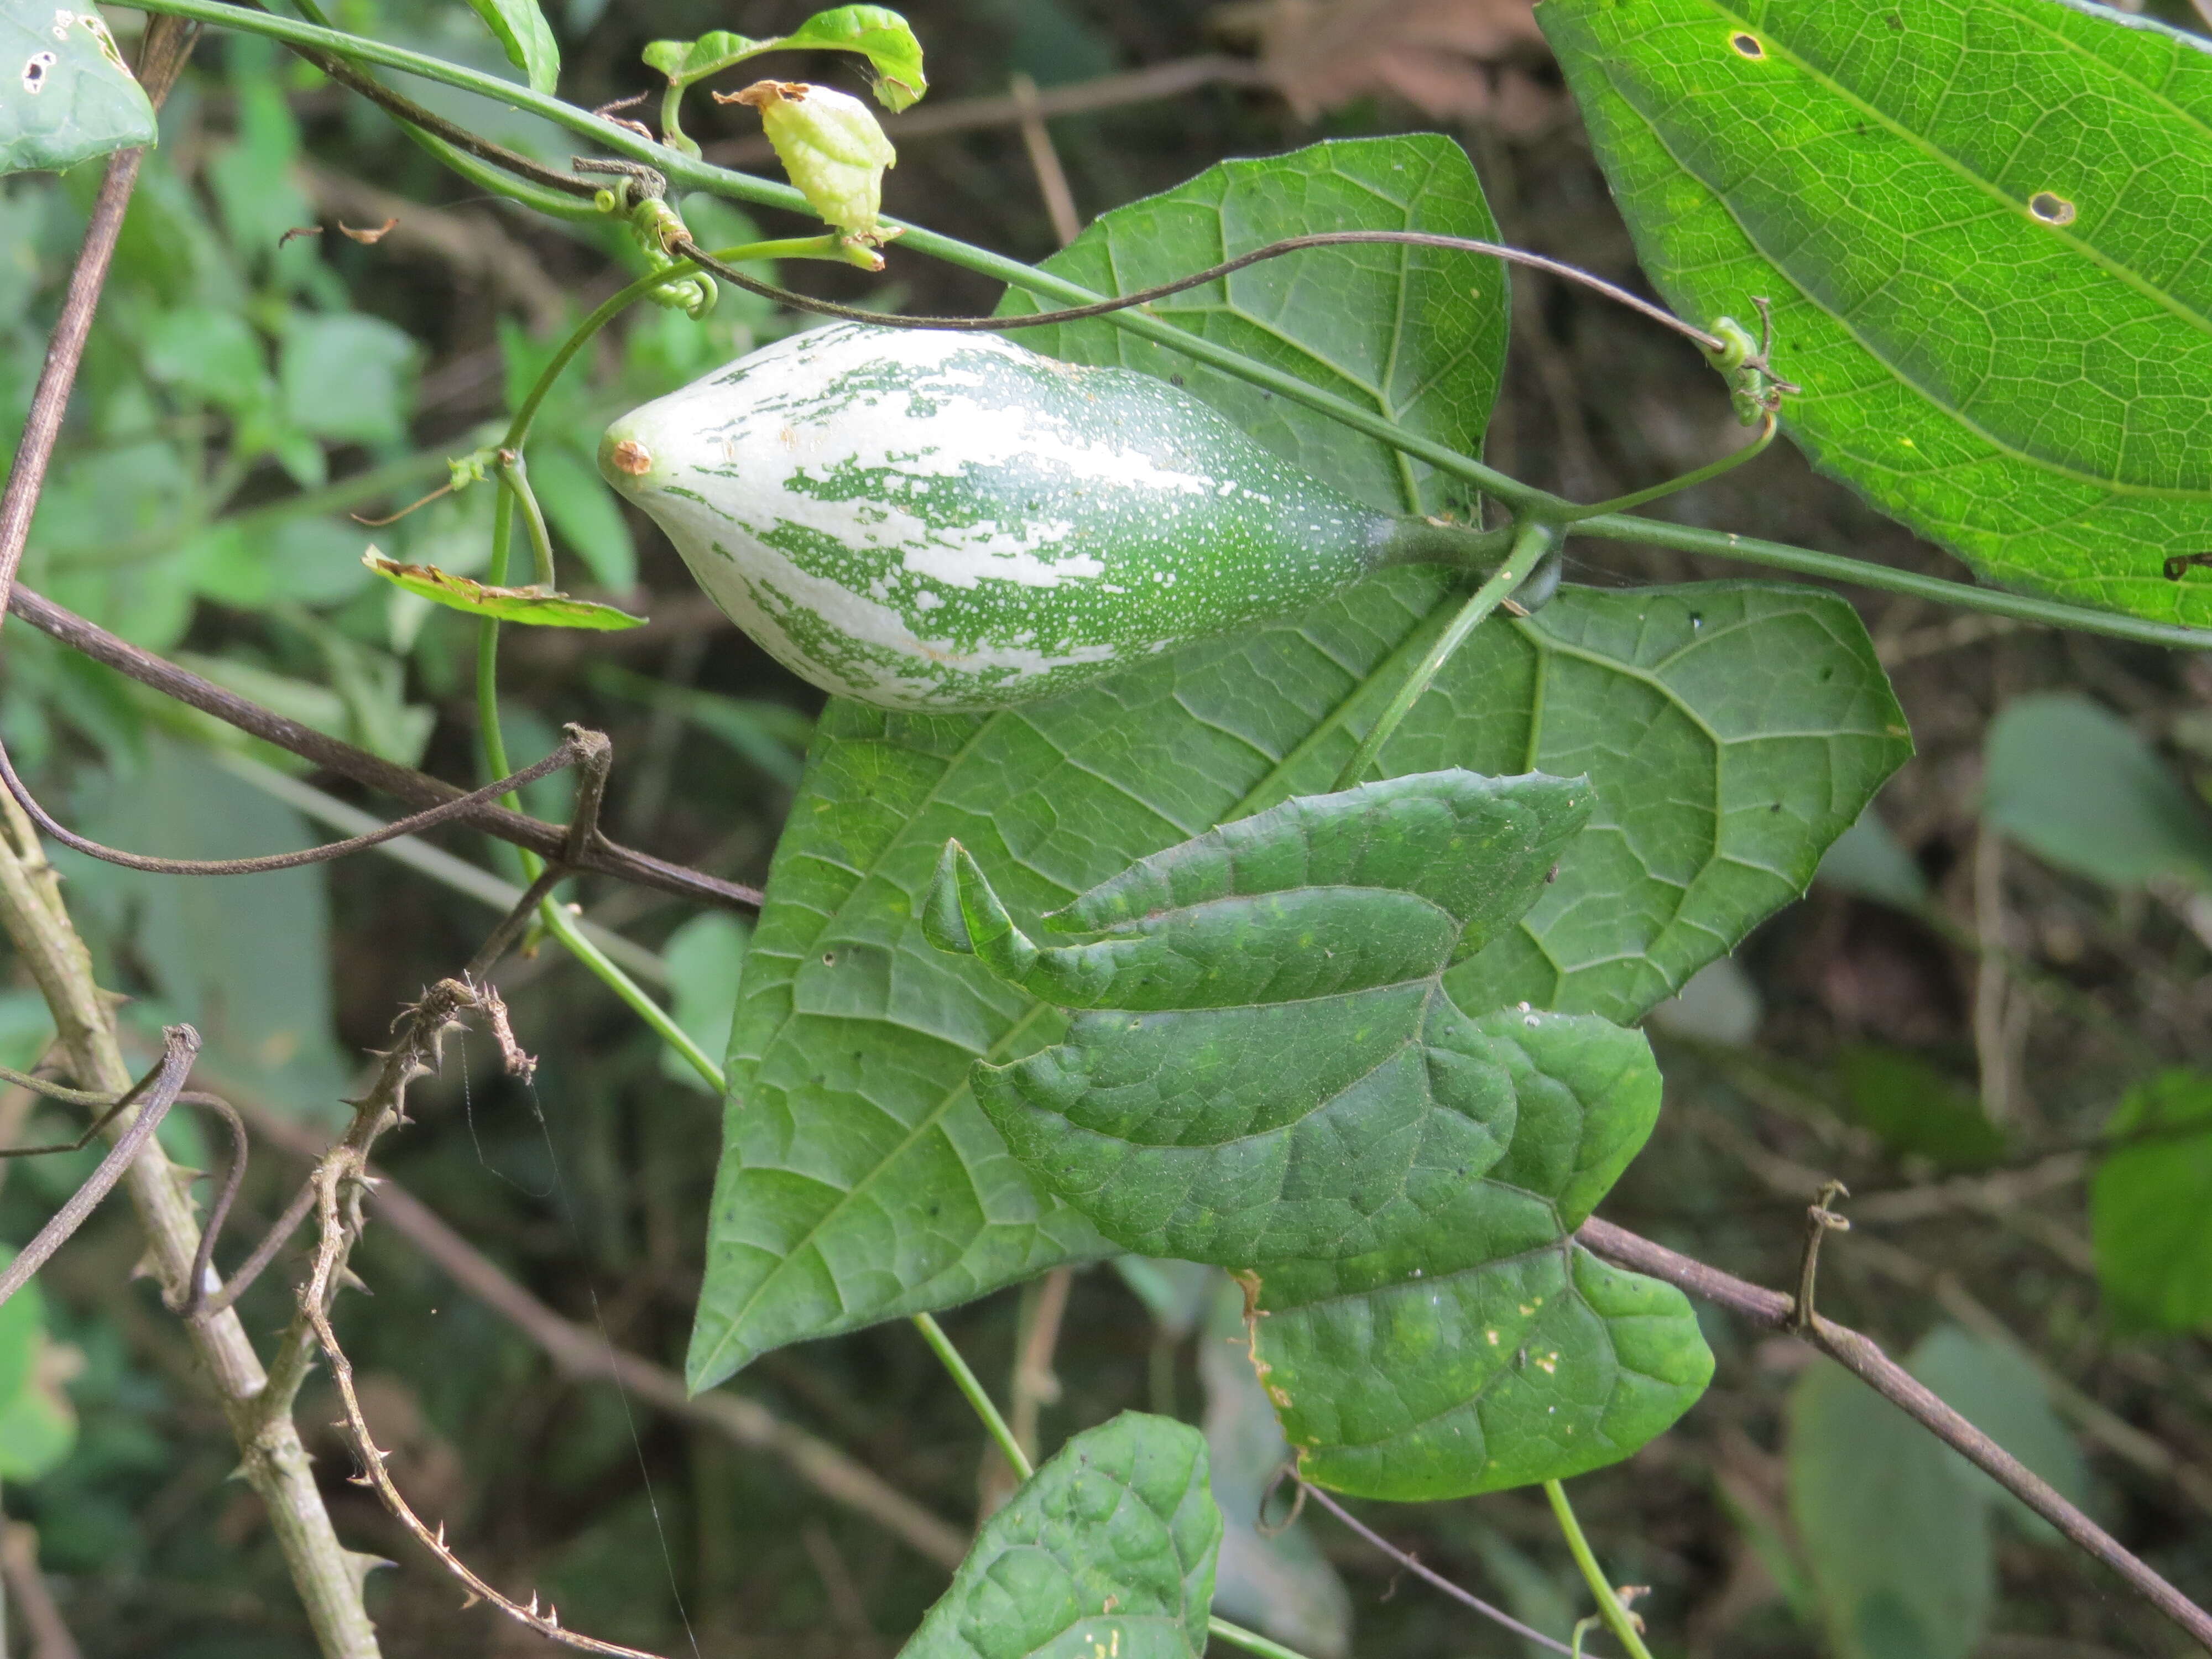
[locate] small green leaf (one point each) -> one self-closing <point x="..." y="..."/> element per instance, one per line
<point x="1268" y="1073"/>
<point x="514" y="604"/>
<point x="878" y="34"/>
<point x="1107" y="1550"/>
<point x="209" y="354"/>
<point x="522" y="30"/>
<point x="1899" y="1545"/>
<point x="2075" y="785"/>
<point x="2150" y="1205"/>
<point x="1869" y="861"/>
<point x="66" y="95"/>
<point x="1963" y="212"/>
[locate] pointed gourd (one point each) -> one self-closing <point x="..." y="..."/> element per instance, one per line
<point x="939" y="521"/>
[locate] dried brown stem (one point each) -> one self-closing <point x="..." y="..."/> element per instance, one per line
<point x="549" y="841"/>
<point x="1428" y="1575"/>
<point x="32" y="1603"/>
<point x="1864" y="1359"/>
<point x="152" y="1095"/>
<point x="566" y="754"/>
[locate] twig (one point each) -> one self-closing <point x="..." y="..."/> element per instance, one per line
<point x="1428" y="1575"/>
<point x="567" y="754"/>
<point x="1819" y="1222"/>
<point x="272" y="1456"/>
<point x="405" y="783"/>
<point x="1864" y="1359"/>
<point x="274" y="1239"/>
<point x="1044" y="161"/>
<point x="313" y="1305"/>
<point x="28" y="1595"/>
<point x="153" y="1094"/>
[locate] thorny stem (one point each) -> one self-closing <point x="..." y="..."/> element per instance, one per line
<point x="1610" y="1607"/>
<point x="273" y="1459"/>
<point x="1534" y="541"/>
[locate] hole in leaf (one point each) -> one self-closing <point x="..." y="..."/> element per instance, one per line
<point x="1748" y="45"/>
<point x="34" y="71"/>
<point x="2051" y="210"/>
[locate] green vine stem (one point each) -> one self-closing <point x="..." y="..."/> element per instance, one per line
<point x="1609" y="1607"/>
<point x="1768" y="427"/>
<point x="1534" y="540"/>
<point x="1250" y="1640"/>
<point x="971" y="1386"/>
<point x="491" y="742"/>
<point x="684" y="171"/>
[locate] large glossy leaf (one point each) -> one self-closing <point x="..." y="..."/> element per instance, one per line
<point x="1970" y="215"/>
<point x="1108" y="1550"/>
<point x="1266" y="1072"/>
<point x="859" y="1180"/>
<point x="1731" y="731"/>
<point x="66" y="95"/>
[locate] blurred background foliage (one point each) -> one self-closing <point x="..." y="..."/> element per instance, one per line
<point x="1992" y="1016"/>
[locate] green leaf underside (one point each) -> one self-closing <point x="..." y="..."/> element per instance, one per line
<point x="66" y="94"/>
<point x="513" y="604"/>
<point x="526" y="37"/>
<point x="1981" y="223"/>
<point x="1105" y="1552"/>
<point x="1269" y="1075"/>
<point x="859" y="1180"/>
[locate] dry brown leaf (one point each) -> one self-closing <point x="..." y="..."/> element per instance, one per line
<point x="1451" y="59"/>
<point x="371" y="236"/>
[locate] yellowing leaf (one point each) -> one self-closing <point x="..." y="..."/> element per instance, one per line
<point x="529" y="606"/>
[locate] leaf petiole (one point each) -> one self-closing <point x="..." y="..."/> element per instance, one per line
<point x="972" y="1387"/>
<point x="1535" y="540"/>
<point x="1617" y="1619"/>
<point x="1705" y="474"/>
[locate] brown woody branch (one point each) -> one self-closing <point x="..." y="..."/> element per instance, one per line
<point x="550" y="840"/>
<point x="1864" y="1359"/>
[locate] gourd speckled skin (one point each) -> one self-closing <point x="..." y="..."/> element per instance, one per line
<point x="937" y="521"/>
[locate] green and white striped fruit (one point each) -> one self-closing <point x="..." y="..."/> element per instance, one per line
<point x="941" y="521"/>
